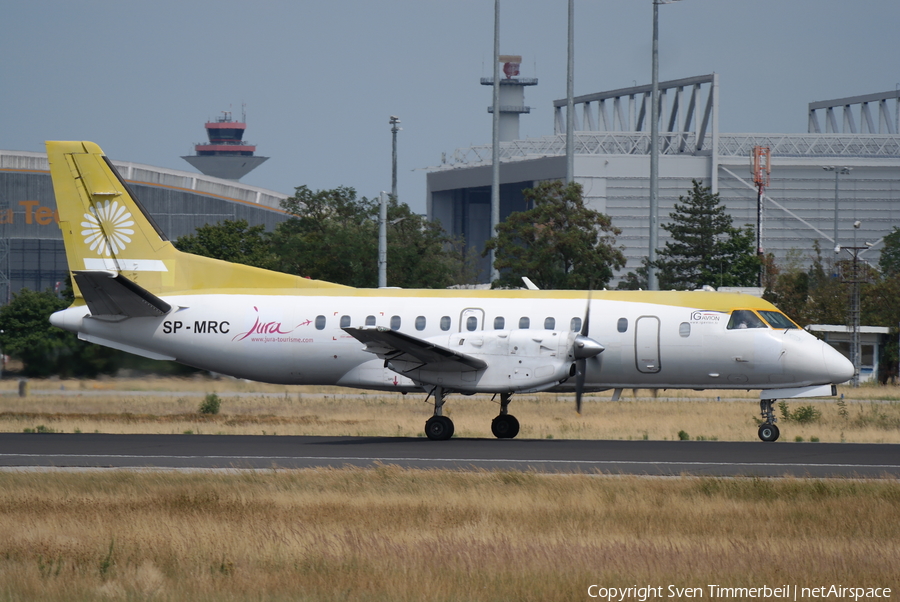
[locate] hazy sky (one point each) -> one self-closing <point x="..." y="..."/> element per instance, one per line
<point x="321" y="78"/>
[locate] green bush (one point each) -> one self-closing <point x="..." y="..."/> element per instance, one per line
<point x="683" y="436"/>
<point x="802" y="415"/>
<point x="211" y="404"/>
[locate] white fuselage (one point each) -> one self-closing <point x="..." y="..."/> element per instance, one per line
<point x="299" y="339"/>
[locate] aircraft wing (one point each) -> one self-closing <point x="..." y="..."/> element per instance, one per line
<point x="111" y="294"/>
<point x="393" y="345"/>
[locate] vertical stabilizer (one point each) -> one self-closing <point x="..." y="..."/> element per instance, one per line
<point x="106" y="228"/>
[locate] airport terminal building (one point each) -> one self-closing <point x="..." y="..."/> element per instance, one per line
<point x="31" y="246"/>
<point x="851" y="149"/>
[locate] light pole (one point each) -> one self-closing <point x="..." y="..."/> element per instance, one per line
<point x="837" y="173"/>
<point x="395" y="121"/>
<point x="652" y="280"/>
<point x="495" y="142"/>
<point x="570" y="102"/>
<point x="382" y="242"/>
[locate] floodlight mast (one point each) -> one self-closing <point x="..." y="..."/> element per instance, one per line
<point x="570" y="98"/>
<point x="395" y="122"/>
<point x="382" y="241"/>
<point x="837" y="173"/>
<point x="495" y="142"/>
<point x="652" y="278"/>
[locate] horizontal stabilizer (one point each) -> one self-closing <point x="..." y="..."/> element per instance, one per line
<point x="123" y="347"/>
<point x="111" y="294"/>
<point x="393" y="345"/>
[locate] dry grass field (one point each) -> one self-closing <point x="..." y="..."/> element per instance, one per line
<point x="409" y="535"/>
<point x="170" y="405"/>
<point x="387" y="533"/>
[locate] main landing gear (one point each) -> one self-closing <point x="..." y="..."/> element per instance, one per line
<point x="505" y="426"/>
<point x="440" y="427"/>
<point x="767" y="430"/>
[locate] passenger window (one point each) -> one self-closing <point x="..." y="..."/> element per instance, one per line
<point x="524" y="322"/>
<point x="345" y="321"/>
<point x="370" y="320"/>
<point x="622" y="325"/>
<point x="499" y="323"/>
<point x="549" y="323"/>
<point x="445" y="323"/>
<point x="395" y="322"/>
<point x="320" y="322"/>
<point x="471" y="323"/>
<point x="744" y="318"/>
<point x="575" y="325"/>
<point x="684" y="329"/>
<point x="420" y="323"/>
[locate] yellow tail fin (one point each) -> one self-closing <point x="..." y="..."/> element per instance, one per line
<point x="105" y="227"/>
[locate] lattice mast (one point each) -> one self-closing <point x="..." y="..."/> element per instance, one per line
<point x="761" y="169"/>
<point x="854" y="274"/>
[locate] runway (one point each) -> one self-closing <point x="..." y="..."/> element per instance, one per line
<point x="659" y="458"/>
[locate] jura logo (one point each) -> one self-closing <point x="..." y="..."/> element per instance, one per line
<point x="260" y="329"/>
<point x="107" y="228"/>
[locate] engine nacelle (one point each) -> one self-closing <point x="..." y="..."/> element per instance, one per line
<point x="517" y="360"/>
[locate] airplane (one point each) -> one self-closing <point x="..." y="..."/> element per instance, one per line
<point x="134" y="291"/>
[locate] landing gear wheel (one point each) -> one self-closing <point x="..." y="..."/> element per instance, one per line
<point x="768" y="432"/>
<point x="505" y="426"/>
<point x="439" y="428"/>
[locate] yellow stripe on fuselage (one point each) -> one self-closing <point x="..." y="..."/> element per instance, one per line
<point x="688" y="299"/>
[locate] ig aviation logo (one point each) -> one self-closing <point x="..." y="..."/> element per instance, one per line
<point x="706" y="317"/>
<point x="108" y="228"/>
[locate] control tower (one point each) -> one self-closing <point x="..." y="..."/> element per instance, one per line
<point x="226" y="155"/>
<point x="512" y="96"/>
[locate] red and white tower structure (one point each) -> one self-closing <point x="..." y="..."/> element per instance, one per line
<point x="226" y="155"/>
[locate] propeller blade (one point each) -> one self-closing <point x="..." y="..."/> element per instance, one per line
<point x="584" y="349"/>
<point x="585" y="326"/>
<point x="580" y="369"/>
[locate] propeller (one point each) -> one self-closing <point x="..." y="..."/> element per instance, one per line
<point x="585" y="348"/>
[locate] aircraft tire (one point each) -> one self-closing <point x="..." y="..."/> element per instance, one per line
<point x="439" y="428"/>
<point x="768" y="432"/>
<point x="505" y="427"/>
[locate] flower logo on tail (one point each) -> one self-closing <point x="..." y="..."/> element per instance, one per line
<point x="107" y="228"/>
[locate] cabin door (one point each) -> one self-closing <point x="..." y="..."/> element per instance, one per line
<point x="646" y="344"/>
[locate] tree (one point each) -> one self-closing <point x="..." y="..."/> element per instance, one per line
<point x="705" y="248"/>
<point x="333" y="235"/>
<point x="889" y="263"/>
<point x="26" y="334"/>
<point x="788" y="286"/>
<point x="420" y="254"/>
<point x="236" y="241"/>
<point x="558" y="244"/>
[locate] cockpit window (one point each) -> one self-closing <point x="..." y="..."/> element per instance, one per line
<point x="744" y="318"/>
<point x="777" y="319"/>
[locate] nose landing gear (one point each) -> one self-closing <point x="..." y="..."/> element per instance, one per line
<point x="767" y="430"/>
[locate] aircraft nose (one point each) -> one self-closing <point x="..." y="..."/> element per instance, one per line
<point x="840" y="369"/>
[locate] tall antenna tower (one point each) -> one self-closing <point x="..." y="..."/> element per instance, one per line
<point x="761" y="169"/>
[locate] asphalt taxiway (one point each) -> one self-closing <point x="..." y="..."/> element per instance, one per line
<point x="659" y="458"/>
